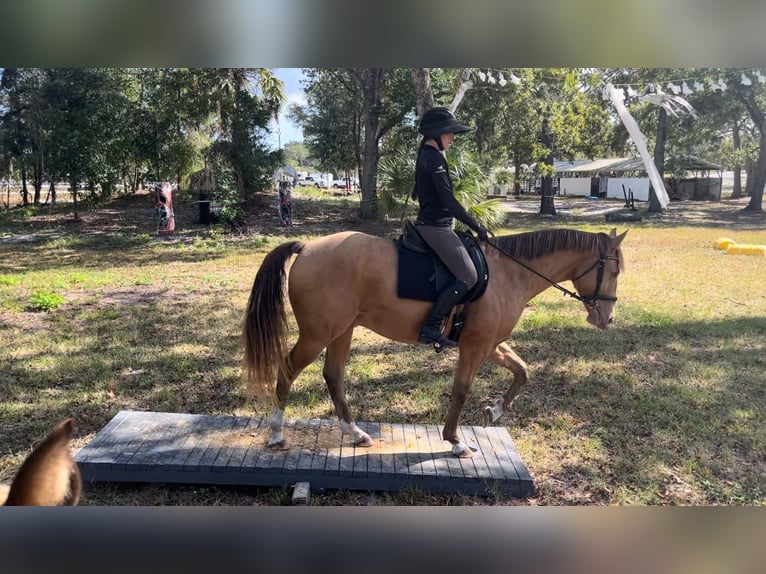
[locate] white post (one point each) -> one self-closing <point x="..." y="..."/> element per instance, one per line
<point x="639" y="139"/>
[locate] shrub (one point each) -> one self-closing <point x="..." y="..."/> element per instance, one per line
<point x="43" y="301"/>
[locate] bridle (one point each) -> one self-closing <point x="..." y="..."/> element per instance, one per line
<point x="590" y="301"/>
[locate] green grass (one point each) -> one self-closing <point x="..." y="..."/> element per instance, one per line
<point x="666" y="407"/>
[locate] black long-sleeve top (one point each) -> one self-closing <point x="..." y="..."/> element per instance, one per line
<point x="438" y="205"/>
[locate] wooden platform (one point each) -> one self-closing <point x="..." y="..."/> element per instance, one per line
<point x="202" y="449"/>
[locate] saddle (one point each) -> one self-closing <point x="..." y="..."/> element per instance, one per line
<point x="422" y="275"/>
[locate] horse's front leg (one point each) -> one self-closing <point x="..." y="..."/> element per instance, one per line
<point x="504" y="356"/>
<point x="334" y="375"/>
<point x="468" y="364"/>
<point x="300" y="356"/>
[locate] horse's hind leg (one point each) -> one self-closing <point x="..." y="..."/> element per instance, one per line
<point x="334" y="376"/>
<point x="504" y="356"/>
<point x="299" y="357"/>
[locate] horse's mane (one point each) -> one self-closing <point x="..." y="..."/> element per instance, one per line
<point x="534" y="244"/>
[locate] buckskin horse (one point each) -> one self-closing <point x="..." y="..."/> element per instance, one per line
<point x="346" y="279"/>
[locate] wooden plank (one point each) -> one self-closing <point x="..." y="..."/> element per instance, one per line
<point x="234" y="444"/>
<point x="374" y="461"/>
<point x="186" y="448"/>
<point x="187" y="442"/>
<point x="479" y="461"/>
<point x="521" y="470"/>
<point x="502" y="454"/>
<point x="466" y="464"/>
<point x="165" y="443"/>
<point x="319" y="460"/>
<point x="203" y="438"/>
<point x="488" y="451"/>
<point x="399" y="451"/>
<point x="413" y="458"/>
<point x="256" y="429"/>
<point x="427" y="466"/>
<point x="453" y="464"/>
<point x="387" y="470"/>
<point x="219" y="430"/>
<point x="334" y="438"/>
<point x="246" y="436"/>
<point x="138" y="430"/>
<point x="297" y="445"/>
<point x="440" y="451"/>
<point x="263" y="463"/>
<point x="310" y="446"/>
<point x="361" y="457"/>
<point x="102" y="446"/>
<point x="184" y="426"/>
<point x="347" y="455"/>
<point x="101" y="449"/>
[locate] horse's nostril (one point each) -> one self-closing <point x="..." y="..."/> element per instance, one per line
<point x="610" y="321"/>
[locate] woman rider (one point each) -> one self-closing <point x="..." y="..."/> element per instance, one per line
<point x="438" y="209"/>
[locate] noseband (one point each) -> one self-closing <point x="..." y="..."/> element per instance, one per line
<point x="592" y="300"/>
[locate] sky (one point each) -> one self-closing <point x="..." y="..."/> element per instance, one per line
<point x="289" y="132"/>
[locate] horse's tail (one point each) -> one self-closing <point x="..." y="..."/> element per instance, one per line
<point x="49" y="476"/>
<point x="264" y="332"/>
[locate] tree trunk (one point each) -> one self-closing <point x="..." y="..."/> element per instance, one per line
<point x="24" y="192"/>
<point x="371" y="80"/>
<point x="547" y="207"/>
<point x="73" y="185"/>
<point x="755" y="183"/>
<point x="37" y="179"/>
<point x="759" y="180"/>
<point x="424" y="98"/>
<point x="659" y="158"/>
<point x="736" y="192"/>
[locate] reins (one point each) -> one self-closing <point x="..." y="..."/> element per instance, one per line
<point x="589" y="300"/>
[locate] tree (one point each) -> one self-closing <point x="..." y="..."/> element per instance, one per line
<point x="752" y="96"/>
<point x="296" y="154"/>
<point x="244" y="100"/>
<point x="347" y="115"/>
<point x="22" y="135"/>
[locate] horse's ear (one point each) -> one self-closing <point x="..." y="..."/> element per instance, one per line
<point x="618" y="238"/>
<point x="613" y="233"/>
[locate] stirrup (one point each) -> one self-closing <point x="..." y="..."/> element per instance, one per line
<point x="438" y="344"/>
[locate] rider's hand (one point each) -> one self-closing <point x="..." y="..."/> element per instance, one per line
<point x="482" y="233"/>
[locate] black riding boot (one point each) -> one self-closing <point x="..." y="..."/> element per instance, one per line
<point x="431" y="333"/>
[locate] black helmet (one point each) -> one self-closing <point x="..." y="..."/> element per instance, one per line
<point x="439" y="121"/>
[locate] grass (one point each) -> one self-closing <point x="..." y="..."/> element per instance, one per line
<point x="664" y="408"/>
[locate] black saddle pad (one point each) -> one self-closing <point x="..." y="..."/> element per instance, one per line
<point x="422" y="275"/>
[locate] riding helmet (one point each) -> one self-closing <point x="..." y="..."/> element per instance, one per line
<point x="439" y="121"/>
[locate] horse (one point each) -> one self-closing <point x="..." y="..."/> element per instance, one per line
<point x="49" y="475"/>
<point x="340" y="281"/>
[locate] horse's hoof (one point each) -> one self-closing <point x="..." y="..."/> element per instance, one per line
<point x="461" y="451"/>
<point x="365" y="441"/>
<point x="278" y="444"/>
<point x="493" y="413"/>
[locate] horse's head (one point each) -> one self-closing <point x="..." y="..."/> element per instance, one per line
<point x="596" y="283"/>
